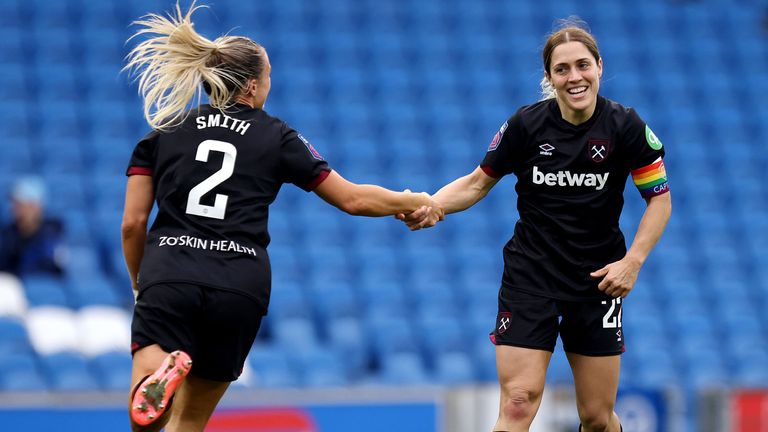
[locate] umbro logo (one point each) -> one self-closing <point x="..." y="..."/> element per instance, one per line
<point x="546" y="149"/>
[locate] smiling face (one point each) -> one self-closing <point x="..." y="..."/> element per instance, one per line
<point x="575" y="75"/>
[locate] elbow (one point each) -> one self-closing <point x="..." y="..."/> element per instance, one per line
<point x="131" y="226"/>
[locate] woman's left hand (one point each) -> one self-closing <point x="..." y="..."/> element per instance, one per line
<point x="618" y="277"/>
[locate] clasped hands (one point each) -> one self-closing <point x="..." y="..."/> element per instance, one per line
<point x="424" y="217"/>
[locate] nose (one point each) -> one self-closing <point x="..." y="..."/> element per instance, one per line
<point x="574" y="75"/>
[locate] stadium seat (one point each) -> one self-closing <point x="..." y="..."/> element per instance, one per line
<point x="440" y="331"/>
<point x="42" y="290"/>
<point x="391" y="335"/>
<point x="13" y="334"/>
<point x="294" y="331"/>
<point x="112" y="370"/>
<point x="658" y="369"/>
<point x="454" y="368"/>
<point x="14" y="304"/>
<point x="334" y="298"/>
<point x="559" y="371"/>
<point x="269" y="365"/>
<point x="22" y="374"/>
<point x="88" y="289"/>
<point x="319" y="366"/>
<point x="346" y="335"/>
<point x="403" y="368"/>
<point x="103" y="329"/>
<point x="67" y="371"/>
<point x="53" y="329"/>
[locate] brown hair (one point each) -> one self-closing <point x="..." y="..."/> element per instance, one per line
<point x="173" y="65"/>
<point x="571" y="29"/>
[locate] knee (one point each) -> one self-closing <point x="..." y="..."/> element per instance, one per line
<point x="518" y="403"/>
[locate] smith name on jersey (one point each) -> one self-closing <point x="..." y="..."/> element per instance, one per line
<point x="214" y="177"/>
<point x="570" y="185"/>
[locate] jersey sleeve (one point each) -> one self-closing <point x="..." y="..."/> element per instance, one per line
<point x="503" y="153"/>
<point x="143" y="157"/>
<point x="300" y="163"/>
<point x="645" y="157"/>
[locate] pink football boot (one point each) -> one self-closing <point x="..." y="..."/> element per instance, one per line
<point x="151" y="397"/>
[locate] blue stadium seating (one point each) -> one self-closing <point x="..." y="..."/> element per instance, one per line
<point x="21" y="373"/>
<point x="112" y="370"/>
<point x="409" y="97"/>
<point x="68" y="372"/>
<point x="270" y="365"/>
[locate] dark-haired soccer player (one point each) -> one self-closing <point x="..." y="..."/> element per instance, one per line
<point x="567" y="268"/>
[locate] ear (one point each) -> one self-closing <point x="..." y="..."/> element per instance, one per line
<point x="253" y="87"/>
<point x="600" y="68"/>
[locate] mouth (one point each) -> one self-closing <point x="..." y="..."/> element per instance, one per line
<point x="576" y="91"/>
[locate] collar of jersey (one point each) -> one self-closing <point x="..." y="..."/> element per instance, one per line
<point x="587" y="124"/>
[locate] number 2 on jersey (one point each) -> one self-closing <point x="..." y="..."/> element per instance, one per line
<point x="219" y="207"/>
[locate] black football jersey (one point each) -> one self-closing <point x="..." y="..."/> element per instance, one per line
<point x="570" y="184"/>
<point x="214" y="177"/>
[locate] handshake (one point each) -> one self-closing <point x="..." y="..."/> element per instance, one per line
<point x="425" y="216"/>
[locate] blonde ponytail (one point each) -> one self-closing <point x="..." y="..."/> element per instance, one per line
<point x="172" y="65"/>
<point x="547" y="91"/>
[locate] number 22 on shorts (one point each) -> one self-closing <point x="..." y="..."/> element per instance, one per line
<point x="609" y="320"/>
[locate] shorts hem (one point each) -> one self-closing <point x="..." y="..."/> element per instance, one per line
<point x="593" y="354"/>
<point x="136" y="346"/>
<point x="519" y="345"/>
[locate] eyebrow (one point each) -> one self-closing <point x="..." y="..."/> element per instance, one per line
<point x="586" y="59"/>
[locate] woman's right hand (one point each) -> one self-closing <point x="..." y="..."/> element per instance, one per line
<point x="425" y="216"/>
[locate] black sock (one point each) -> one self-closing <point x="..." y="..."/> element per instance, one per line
<point x="621" y="428"/>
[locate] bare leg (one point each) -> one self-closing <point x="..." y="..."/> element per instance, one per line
<point x="195" y="401"/>
<point x="145" y="362"/>
<point x="597" y="381"/>
<point x="522" y="372"/>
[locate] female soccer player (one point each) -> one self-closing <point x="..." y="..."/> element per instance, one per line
<point x="202" y="273"/>
<point x="571" y="153"/>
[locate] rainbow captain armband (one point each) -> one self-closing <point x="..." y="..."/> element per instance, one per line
<point x="651" y="180"/>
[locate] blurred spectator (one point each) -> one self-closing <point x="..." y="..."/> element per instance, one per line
<point x="31" y="242"/>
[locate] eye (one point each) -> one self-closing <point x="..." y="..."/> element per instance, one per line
<point x="584" y="65"/>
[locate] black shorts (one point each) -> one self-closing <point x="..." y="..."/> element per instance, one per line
<point x="590" y="327"/>
<point x="215" y="327"/>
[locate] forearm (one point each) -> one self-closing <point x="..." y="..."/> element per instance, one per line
<point x="133" y="250"/>
<point x="460" y="194"/>
<point x="651" y="227"/>
<point x="372" y="200"/>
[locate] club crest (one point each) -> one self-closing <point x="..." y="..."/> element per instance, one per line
<point x="598" y="149"/>
<point x="504" y="322"/>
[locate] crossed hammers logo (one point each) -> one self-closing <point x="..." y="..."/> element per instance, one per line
<point x="503" y="324"/>
<point x="597" y="153"/>
<point x="598" y="149"/>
